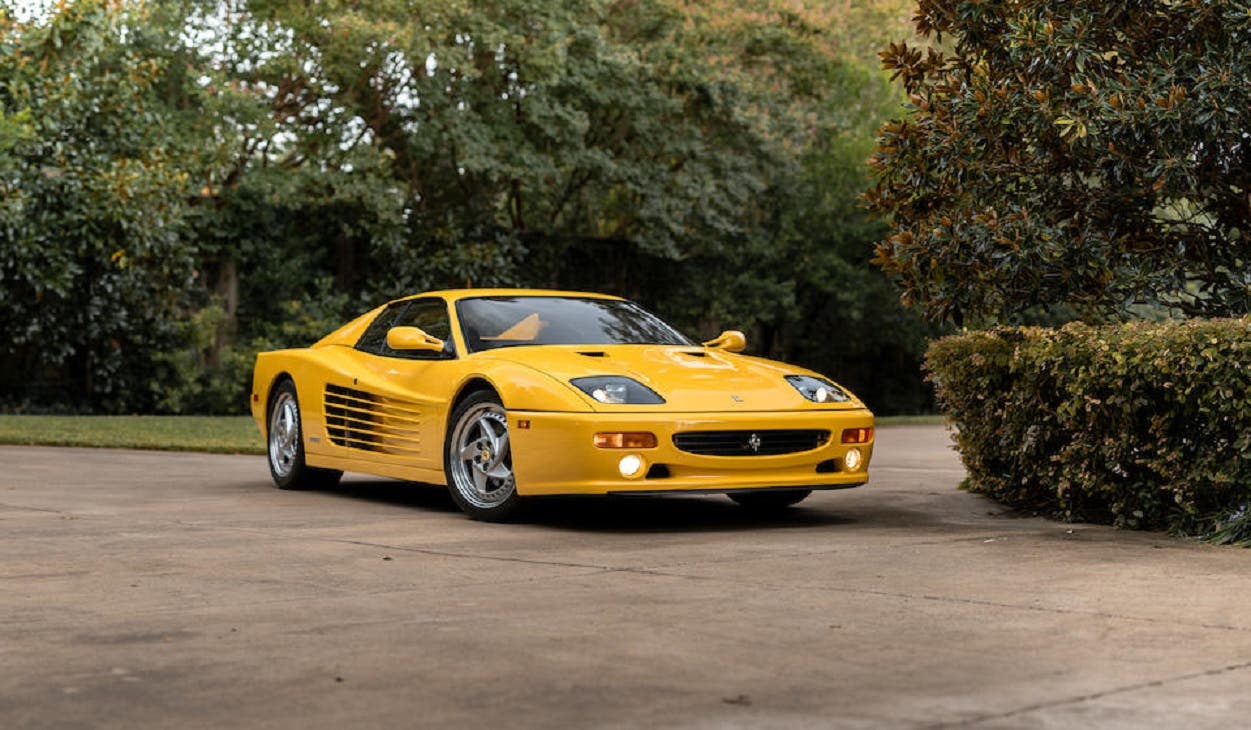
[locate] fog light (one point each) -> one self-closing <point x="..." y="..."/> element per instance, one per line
<point x="630" y="466"/>
<point x="853" y="460"/>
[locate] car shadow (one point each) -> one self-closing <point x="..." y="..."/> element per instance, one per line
<point x="669" y="513"/>
<point x="391" y="491"/>
<point x="617" y="513"/>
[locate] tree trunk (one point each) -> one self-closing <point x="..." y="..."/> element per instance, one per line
<point x="227" y="292"/>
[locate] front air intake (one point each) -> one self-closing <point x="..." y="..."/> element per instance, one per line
<point x="750" y="443"/>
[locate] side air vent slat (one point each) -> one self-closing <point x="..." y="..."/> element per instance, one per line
<point x="357" y="419"/>
<point x="387" y="406"/>
<point x="376" y="447"/>
<point x="368" y="427"/>
<point x="369" y="413"/>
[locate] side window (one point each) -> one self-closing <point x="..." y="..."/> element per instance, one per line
<point x="431" y="316"/>
<point x="374" y="341"/>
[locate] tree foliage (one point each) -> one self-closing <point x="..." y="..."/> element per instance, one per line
<point x="519" y="129"/>
<point x="1086" y="155"/>
<point x="93" y="199"/>
<point x="290" y="164"/>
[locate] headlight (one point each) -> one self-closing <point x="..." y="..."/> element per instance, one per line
<point x="818" y="390"/>
<point x="617" y="389"/>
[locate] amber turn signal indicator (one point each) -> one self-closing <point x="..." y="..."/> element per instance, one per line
<point x="630" y="440"/>
<point x="857" y="435"/>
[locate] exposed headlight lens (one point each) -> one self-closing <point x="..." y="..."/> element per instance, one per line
<point x="818" y="390"/>
<point x="853" y="460"/>
<point x="610" y="393"/>
<point x="617" y="389"/>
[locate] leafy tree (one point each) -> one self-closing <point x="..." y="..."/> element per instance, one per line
<point x="93" y="194"/>
<point x="1085" y="155"/>
<point x="807" y="291"/>
<point x="518" y="130"/>
<point x="660" y="150"/>
<point x="298" y="167"/>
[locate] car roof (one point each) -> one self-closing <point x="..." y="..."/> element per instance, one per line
<point x="456" y="294"/>
<point x="349" y="333"/>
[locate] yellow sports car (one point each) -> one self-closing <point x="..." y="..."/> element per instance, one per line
<point x="507" y="393"/>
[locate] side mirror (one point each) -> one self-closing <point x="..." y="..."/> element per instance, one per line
<point x="412" y="338"/>
<point x="730" y="341"/>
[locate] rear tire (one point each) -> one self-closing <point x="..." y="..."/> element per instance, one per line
<point x="772" y="500"/>
<point x="286" y="444"/>
<point x="478" y="459"/>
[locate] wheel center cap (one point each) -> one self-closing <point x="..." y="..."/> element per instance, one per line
<point x="484" y="456"/>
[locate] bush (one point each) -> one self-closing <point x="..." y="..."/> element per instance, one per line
<point x="207" y="378"/>
<point x="1141" y="425"/>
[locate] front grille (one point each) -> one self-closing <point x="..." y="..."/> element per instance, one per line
<point x="361" y="420"/>
<point x="742" y="443"/>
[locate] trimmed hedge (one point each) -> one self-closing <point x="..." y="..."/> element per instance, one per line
<point x="1141" y="425"/>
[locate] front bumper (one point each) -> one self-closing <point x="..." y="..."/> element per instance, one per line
<point x="554" y="453"/>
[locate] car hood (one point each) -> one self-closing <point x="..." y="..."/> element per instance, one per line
<point x="690" y="379"/>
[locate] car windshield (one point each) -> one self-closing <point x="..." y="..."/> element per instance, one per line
<point x="492" y="322"/>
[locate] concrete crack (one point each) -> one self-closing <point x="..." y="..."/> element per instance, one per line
<point x="661" y="572"/>
<point x="969" y="722"/>
<point x="31" y="509"/>
<point x="975" y="602"/>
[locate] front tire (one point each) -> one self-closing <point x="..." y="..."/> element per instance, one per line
<point x="772" y="500"/>
<point x="286" y="444"/>
<point x="478" y="459"/>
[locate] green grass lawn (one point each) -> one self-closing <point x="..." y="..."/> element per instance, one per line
<point x="215" y="434"/>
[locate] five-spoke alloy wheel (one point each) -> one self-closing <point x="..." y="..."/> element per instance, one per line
<point x="479" y="460"/>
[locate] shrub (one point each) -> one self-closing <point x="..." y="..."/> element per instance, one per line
<point x="205" y="377"/>
<point x="1140" y="425"/>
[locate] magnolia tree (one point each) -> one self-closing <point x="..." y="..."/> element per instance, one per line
<point x="1090" y="156"/>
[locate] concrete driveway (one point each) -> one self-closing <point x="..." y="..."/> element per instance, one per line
<point x="148" y="590"/>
